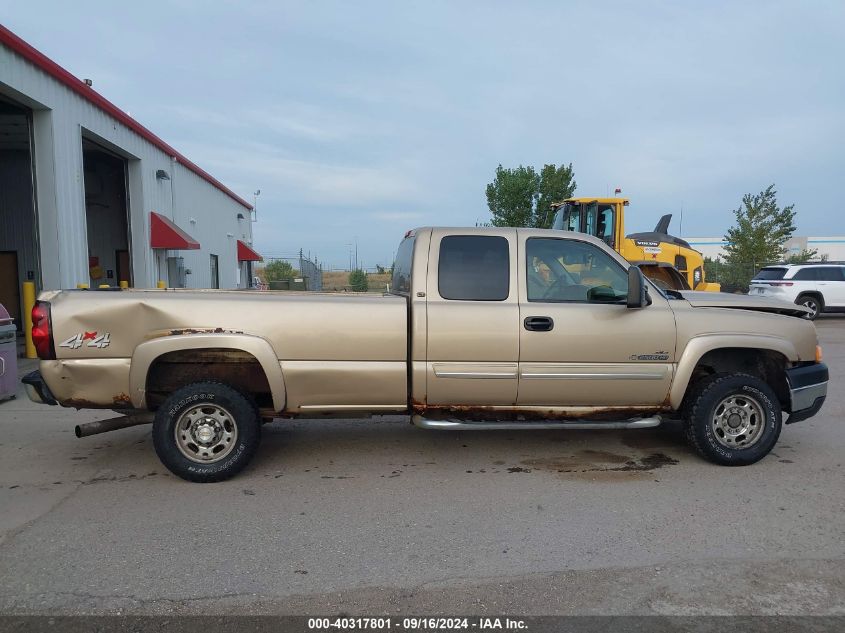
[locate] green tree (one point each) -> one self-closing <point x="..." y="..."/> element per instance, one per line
<point x="556" y="184"/>
<point x="512" y="196"/>
<point x="804" y="256"/>
<point x="280" y="269"/>
<point x="358" y="280"/>
<point x="523" y="197"/>
<point x="759" y="236"/>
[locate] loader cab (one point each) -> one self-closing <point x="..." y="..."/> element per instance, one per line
<point x="602" y="218"/>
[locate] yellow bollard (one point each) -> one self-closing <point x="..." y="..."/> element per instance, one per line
<point x="105" y="286"/>
<point x="28" y="305"/>
<point x="161" y="284"/>
<point x="124" y="284"/>
<point x="82" y="286"/>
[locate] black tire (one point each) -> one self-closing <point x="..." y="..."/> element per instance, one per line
<point x="706" y="416"/>
<point x="813" y="302"/>
<point x="213" y="408"/>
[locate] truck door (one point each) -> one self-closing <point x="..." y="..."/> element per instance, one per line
<point x="473" y="319"/>
<point x="579" y="343"/>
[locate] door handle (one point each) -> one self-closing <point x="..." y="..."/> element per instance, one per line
<point x="539" y="323"/>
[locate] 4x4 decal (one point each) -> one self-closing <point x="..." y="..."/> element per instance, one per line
<point x="93" y="338"/>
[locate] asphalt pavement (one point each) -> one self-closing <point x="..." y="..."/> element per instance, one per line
<point x="375" y="516"/>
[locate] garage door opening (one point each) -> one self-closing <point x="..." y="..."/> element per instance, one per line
<point x="106" y="209"/>
<point x="18" y="224"/>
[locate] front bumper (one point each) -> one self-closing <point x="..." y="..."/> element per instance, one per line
<point x="37" y="389"/>
<point x="807" y="390"/>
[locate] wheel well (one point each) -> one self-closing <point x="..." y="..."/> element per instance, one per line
<point x="233" y="367"/>
<point x="812" y="293"/>
<point x="768" y="365"/>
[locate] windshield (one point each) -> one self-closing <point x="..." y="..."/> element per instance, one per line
<point x="591" y="218"/>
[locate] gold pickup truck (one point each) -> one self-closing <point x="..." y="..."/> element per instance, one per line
<point x="483" y="328"/>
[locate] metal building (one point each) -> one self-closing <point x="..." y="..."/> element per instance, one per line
<point x="90" y="196"/>
<point x="831" y="247"/>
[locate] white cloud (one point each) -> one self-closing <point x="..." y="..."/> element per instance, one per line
<point x="309" y="182"/>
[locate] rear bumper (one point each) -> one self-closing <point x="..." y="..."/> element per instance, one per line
<point x="807" y="390"/>
<point x="37" y="389"/>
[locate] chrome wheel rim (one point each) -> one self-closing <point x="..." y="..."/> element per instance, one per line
<point x="812" y="305"/>
<point x="206" y="433"/>
<point x="738" y="422"/>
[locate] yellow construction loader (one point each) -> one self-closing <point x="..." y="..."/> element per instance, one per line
<point x="665" y="259"/>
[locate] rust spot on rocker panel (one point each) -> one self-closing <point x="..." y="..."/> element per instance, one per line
<point x="82" y="403"/>
<point x="122" y="400"/>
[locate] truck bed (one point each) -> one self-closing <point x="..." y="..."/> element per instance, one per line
<point x="335" y="350"/>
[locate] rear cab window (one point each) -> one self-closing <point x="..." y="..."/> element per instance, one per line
<point x="474" y="268"/>
<point x="400" y="282"/>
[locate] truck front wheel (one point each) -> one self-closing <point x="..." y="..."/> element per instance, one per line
<point x="733" y="419"/>
<point x="206" y="432"/>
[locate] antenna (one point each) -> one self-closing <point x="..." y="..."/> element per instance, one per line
<point x="681" y="229"/>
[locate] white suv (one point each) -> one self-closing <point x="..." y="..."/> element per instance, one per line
<point x="819" y="286"/>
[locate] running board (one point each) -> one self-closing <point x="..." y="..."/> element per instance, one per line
<point x="460" y="425"/>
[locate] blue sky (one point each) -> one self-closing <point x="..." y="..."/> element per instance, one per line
<point x="367" y="118"/>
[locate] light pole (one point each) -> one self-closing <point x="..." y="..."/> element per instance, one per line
<point x="255" y="204"/>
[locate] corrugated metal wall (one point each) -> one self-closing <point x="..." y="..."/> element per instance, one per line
<point x="60" y="119"/>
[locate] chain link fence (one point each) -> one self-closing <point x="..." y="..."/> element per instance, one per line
<point x="301" y="273"/>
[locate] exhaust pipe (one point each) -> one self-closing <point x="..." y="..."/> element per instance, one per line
<point x="112" y="424"/>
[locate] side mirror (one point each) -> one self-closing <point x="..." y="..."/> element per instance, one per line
<point x="637" y="289"/>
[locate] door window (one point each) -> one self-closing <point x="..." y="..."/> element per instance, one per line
<point x="830" y="273"/>
<point x="474" y="268"/>
<point x="561" y="270"/>
<point x="606" y="228"/>
<point x="806" y="274"/>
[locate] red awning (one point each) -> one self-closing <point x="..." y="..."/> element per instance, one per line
<point x="246" y="254"/>
<point x="165" y="234"/>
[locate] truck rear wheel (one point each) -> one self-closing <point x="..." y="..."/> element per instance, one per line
<point x="206" y="432"/>
<point x="733" y="419"/>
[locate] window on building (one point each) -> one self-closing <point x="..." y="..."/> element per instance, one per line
<point x="474" y="268"/>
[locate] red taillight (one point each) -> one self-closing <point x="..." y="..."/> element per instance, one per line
<point x="42" y="337"/>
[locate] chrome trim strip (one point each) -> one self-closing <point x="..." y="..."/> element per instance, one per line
<point x="474" y="374"/>
<point x="455" y="425"/>
<point x="356" y="407"/>
<point x="598" y="376"/>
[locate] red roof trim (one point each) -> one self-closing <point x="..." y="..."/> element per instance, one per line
<point x="246" y="254"/>
<point x="61" y="75"/>
<point x="165" y="234"/>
